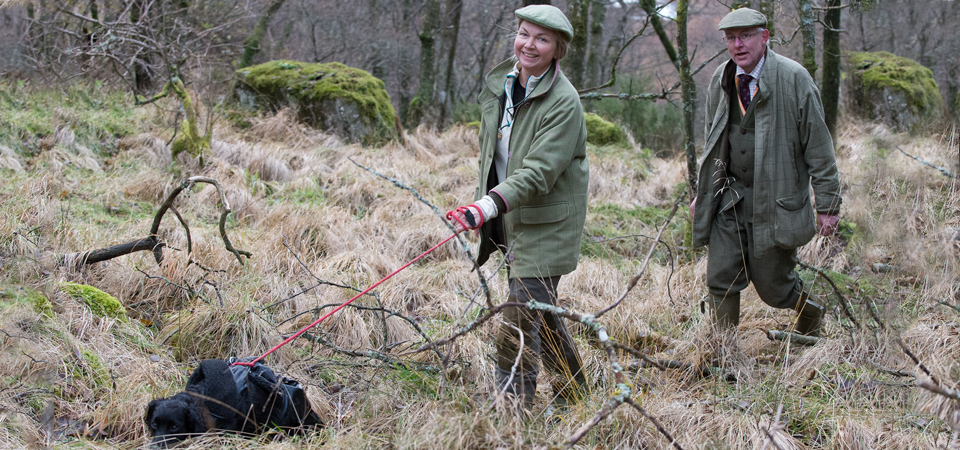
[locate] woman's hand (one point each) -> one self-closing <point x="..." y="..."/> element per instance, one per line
<point x="470" y="217"/>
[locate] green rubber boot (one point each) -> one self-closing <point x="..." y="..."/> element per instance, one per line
<point x="809" y="315"/>
<point x="726" y="310"/>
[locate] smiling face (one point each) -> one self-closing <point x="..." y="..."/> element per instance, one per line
<point x="535" y="48"/>
<point x="748" y="47"/>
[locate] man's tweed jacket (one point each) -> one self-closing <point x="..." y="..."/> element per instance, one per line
<point x="793" y="150"/>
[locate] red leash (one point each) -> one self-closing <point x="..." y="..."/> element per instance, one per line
<point x="344" y="304"/>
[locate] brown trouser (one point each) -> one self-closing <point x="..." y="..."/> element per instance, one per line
<point x="545" y="336"/>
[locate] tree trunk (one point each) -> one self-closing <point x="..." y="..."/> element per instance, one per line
<point x="767" y="8"/>
<point x="596" y="59"/>
<point x="831" y="66"/>
<point x="577" y="12"/>
<point x="650" y="7"/>
<point x="252" y="45"/>
<point x="805" y="9"/>
<point x="143" y="80"/>
<point x="419" y="106"/>
<point x="688" y="92"/>
<point x="535" y="2"/>
<point x="448" y="45"/>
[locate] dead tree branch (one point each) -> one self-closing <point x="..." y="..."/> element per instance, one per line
<point x="945" y="172"/>
<point x="153" y="242"/>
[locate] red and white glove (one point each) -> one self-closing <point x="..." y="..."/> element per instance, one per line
<point x="472" y="216"/>
<point x="827" y="224"/>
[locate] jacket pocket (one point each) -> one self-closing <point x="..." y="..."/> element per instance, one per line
<point x="540" y="214"/>
<point x="795" y="223"/>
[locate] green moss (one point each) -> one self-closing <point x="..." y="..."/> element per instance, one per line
<point x="601" y="132"/>
<point x="12" y="295"/>
<point x="881" y="70"/>
<point x="90" y="369"/>
<point x="475" y="125"/>
<point x="304" y="83"/>
<point x="615" y="231"/>
<point x="100" y="303"/>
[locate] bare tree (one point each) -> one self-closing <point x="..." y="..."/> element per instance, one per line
<point x="805" y="10"/>
<point x="418" y="109"/>
<point x="830" y="88"/>
<point x="252" y="45"/>
<point x="448" y="55"/>
<point x="573" y="63"/>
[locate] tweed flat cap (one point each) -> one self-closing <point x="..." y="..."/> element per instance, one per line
<point x="743" y="18"/>
<point x="549" y="17"/>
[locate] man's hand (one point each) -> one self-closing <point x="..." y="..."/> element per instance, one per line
<point x="827" y="224"/>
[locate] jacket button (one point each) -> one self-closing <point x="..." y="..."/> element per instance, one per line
<point x="743" y="152"/>
<point x="744" y="170"/>
<point x="499" y="135"/>
<point x="743" y="131"/>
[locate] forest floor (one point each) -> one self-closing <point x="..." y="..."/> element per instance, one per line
<point x="84" y="170"/>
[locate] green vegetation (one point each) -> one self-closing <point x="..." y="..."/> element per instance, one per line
<point x="98" y="118"/>
<point x="602" y="132"/>
<point x="614" y="232"/>
<point x="100" y="303"/>
<point x="13" y="295"/>
<point x="654" y="125"/>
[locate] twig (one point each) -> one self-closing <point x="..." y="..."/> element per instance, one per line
<point x="656" y="422"/>
<point x="463" y="244"/>
<point x="946" y="392"/>
<point x="643" y="267"/>
<point x="906" y="350"/>
<point x="799" y="339"/>
<point x="940" y="169"/>
<point x="836" y="290"/>
<point x="775" y="425"/>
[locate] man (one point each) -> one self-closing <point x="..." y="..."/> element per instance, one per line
<point x="766" y="143"/>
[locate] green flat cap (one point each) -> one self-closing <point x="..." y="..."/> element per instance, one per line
<point x="547" y="16"/>
<point x="743" y="18"/>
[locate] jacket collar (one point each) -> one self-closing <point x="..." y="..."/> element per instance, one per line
<point x="496" y="77"/>
<point x="766" y="79"/>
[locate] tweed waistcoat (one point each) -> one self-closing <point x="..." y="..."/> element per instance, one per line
<point x="740" y="168"/>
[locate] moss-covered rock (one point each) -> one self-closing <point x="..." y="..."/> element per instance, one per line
<point x="100" y="303"/>
<point x="895" y="90"/>
<point x="343" y="100"/>
<point x="601" y="132"/>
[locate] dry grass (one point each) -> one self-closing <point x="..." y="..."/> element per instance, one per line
<point x="315" y="221"/>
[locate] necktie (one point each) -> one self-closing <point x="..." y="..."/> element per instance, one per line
<point x="745" y="90"/>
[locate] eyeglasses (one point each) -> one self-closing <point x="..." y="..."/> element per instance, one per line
<point x="744" y="38"/>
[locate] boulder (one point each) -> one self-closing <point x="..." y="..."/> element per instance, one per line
<point x="333" y="97"/>
<point x="602" y="132"/>
<point x="897" y="91"/>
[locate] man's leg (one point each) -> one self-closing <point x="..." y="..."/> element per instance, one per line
<point x="778" y="284"/>
<point x="728" y="256"/>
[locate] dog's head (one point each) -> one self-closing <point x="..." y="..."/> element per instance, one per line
<point x="171" y="420"/>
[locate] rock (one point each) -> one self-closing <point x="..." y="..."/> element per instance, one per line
<point x="601" y="132"/>
<point x="333" y="97"/>
<point x="895" y="90"/>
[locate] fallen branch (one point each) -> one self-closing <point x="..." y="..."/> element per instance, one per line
<point x="940" y="169"/>
<point x="794" y="338"/>
<point x="153" y="242"/>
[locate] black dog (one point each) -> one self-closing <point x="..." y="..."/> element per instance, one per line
<point x="222" y="397"/>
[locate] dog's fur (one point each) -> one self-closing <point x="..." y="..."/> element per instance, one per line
<point x="211" y="402"/>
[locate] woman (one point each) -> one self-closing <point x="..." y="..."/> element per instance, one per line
<point x="532" y="196"/>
